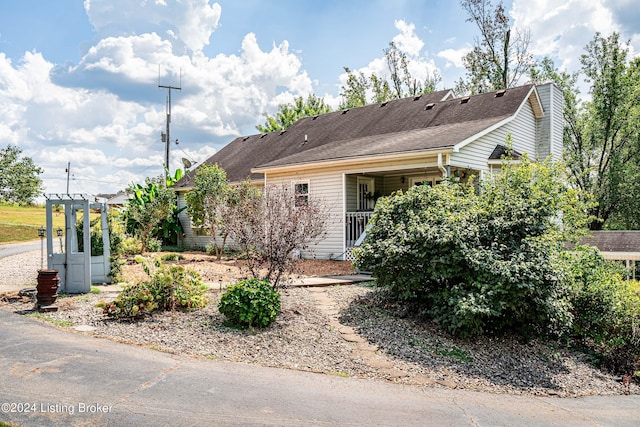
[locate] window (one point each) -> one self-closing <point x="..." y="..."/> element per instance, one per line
<point x="301" y="193"/>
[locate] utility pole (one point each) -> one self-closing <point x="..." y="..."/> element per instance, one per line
<point x="68" y="171"/>
<point x="166" y="136"/>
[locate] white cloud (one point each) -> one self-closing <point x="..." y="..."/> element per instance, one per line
<point x="190" y="21"/>
<point x="454" y="56"/>
<point x="407" y="41"/>
<point x="562" y="29"/>
<point x="420" y="66"/>
<point x="105" y="113"/>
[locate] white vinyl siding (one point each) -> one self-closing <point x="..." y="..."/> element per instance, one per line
<point x="190" y="238"/>
<point x="327" y="187"/>
<point x="522" y="129"/>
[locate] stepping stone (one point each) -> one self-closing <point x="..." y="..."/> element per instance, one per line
<point x="379" y="363"/>
<point x="366" y="354"/>
<point x="84" y="328"/>
<point x="346" y="329"/>
<point x="422" y="380"/>
<point x="448" y="384"/>
<point x="337" y="325"/>
<point x="365" y="346"/>
<point x="352" y="338"/>
<point x="393" y="373"/>
<point x="331" y="312"/>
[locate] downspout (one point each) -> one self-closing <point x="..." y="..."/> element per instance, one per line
<point x="444" y="169"/>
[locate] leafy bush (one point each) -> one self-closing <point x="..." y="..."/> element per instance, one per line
<point x="479" y="262"/>
<point x="251" y="302"/>
<point x="606" y="309"/>
<point x="171" y="257"/>
<point x="169" y="287"/>
<point x="154" y="245"/>
<point x="131" y="246"/>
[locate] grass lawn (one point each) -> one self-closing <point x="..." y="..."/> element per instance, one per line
<point x="20" y="223"/>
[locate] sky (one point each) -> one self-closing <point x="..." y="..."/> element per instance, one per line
<point x="79" y="80"/>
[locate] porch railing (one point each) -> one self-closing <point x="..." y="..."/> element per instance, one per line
<point x="355" y="223"/>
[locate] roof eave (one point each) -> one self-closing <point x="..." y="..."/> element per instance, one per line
<point x="461" y="144"/>
<point x="347" y="161"/>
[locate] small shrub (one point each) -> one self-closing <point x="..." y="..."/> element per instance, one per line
<point x="169" y="287"/>
<point x="133" y="301"/>
<point x="251" y="302"/>
<point x="210" y="249"/>
<point x="154" y="245"/>
<point x="171" y="257"/>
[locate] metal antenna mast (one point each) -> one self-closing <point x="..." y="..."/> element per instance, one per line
<point x="165" y="136"/>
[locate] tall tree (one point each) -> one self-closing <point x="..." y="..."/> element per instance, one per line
<point x="500" y="56"/>
<point x="602" y="135"/>
<point x="288" y="114"/>
<point x="607" y="138"/>
<point x="19" y="177"/>
<point x="361" y="90"/>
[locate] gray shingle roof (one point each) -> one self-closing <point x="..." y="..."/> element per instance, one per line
<point x="614" y="241"/>
<point x="403" y="125"/>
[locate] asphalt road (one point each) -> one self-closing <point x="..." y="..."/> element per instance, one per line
<point x="18" y="248"/>
<point x="49" y="377"/>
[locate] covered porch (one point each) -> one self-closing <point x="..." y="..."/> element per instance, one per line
<point x="362" y="191"/>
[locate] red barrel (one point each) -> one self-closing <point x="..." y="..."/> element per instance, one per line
<point x="48" y="282"/>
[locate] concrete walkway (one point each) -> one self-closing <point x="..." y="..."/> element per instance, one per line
<point x="49" y="377"/>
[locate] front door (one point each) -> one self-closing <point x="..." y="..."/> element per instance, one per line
<point x="366" y="189"/>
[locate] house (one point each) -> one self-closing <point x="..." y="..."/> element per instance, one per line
<point x="617" y="245"/>
<point x="350" y="157"/>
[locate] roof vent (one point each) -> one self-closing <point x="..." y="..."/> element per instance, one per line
<point x="345" y="111"/>
<point x="464" y="100"/>
<point x="282" y="131"/>
<point x="315" y="117"/>
<point x="263" y="135"/>
<point x="416" y="98"/>
<point x="430" y="106"/>
<point x="305" y="140"/>
<point x="384" y="104"/>
<point x="500" y="93"/>
<point x="245" y="138"/>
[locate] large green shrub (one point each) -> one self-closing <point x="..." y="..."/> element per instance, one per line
<point x="606" y="308"/>
<point x="479" y="259"/>
<point x="251" y="302"/>
<point x="169" y="287"/>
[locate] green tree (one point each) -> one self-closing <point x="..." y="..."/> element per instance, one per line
<point x="500" y="56"/>
<point x="19" y="177"/>
<point x="207" y="203"/>
<point x="602" y="135"/>
<point x="360" y="90"/>
<point x="484" y="261"/>
<point x="288" y="114"/>
<point x="152" y="205"/>
<point x="605" y="149"/>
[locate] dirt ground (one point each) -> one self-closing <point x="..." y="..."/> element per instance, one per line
<point x="233" y="270"/>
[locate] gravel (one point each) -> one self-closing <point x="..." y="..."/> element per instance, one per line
<point x="305" y="337"/>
